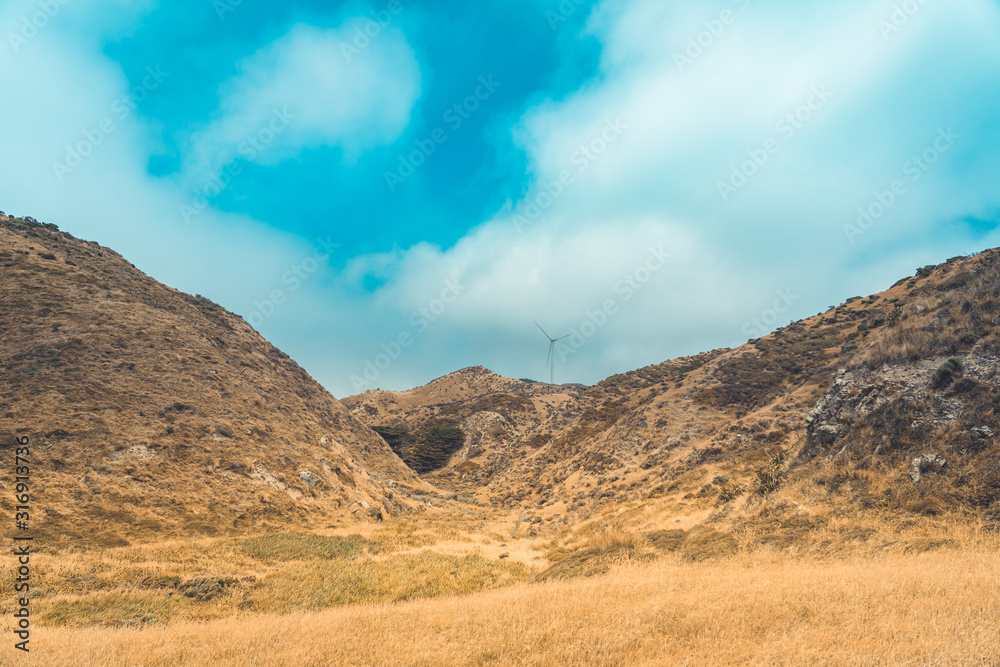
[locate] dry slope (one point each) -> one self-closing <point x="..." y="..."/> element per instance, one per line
<point x="154" y="412"/>
<point x="839" y="407"/>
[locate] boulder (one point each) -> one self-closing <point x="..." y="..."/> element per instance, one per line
<point x="311" y="479"/>
<point x="924" y="464"/>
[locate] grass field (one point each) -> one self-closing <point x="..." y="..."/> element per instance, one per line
<point x="939" y="607"/>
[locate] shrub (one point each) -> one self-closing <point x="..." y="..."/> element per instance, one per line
<point x="426" y="450"/>
<point x="969" y="339"/>
<point x="946" y="373"/>
<point x="771" y="474"/>
<point x="730" y="491"/>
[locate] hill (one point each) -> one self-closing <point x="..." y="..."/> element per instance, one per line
<point x="152" y="412"/>
<point x="885" y="405"/>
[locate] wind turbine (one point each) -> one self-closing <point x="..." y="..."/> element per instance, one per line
<point x="551" y="361"/>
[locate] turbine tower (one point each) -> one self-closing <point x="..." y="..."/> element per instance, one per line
<point x="551" y="361"/>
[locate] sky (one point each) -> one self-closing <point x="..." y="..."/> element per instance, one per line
<point x="392" y="191"/>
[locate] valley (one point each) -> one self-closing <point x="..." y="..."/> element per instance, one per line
<point x="823" y="494"/>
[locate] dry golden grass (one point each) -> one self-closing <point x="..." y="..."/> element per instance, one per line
<point x="212" y="579"/>
<point x="963" y="302"/>
<point x="935" y="608"/>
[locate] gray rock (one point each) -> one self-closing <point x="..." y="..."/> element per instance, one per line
<point x="311" y="479"/>
<point x="925" y="463"/>
<point x="983" y="432"/>
<point x="826" y="434"/>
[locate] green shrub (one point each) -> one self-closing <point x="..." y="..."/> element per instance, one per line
<point x="946" y="373"/>
<point x="969" y="339"/>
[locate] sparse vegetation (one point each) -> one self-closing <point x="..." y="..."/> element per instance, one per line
<point x="300" y="546"/>
<point x="771" y="474"/>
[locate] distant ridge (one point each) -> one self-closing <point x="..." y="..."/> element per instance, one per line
<point x="881" y="388"/>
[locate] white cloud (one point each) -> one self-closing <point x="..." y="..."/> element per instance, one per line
<point x="657" y="183"/>
<point x="654" y="184"/>
<point x="311" y="88"/>
<point x="63" y="92"/>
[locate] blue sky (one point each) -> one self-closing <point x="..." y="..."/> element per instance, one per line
<point x="391" y="191"/>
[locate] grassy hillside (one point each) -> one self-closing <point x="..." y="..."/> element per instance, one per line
<point x="152" y="412"/>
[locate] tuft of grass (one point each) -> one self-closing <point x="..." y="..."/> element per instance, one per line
<point x="771" y="474"/>
<point x="730" y="491"/>
<point x="320" y="585"/>
<point x="110" y="610"/>
<point x="300" y="546"/>
<point x="613" y="538"/>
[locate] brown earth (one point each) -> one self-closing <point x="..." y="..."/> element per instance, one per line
<point x="153" y="412"/>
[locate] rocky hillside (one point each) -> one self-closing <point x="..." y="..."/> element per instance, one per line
<point x="153" y="412"/>
<point x="492" y="413"/>
<point x="885" y="402"/>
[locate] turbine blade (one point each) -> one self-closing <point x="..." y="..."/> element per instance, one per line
<point x="542" y="330"/>
<point x="566" y="336"/>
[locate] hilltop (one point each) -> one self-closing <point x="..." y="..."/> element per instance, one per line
<point x="152" y="412"/>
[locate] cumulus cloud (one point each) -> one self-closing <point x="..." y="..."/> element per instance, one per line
<point x="76" y="149"/>
<point x="625" y="204"/>
<point x="749" y="140"/>
<point x="311" y="88"/>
